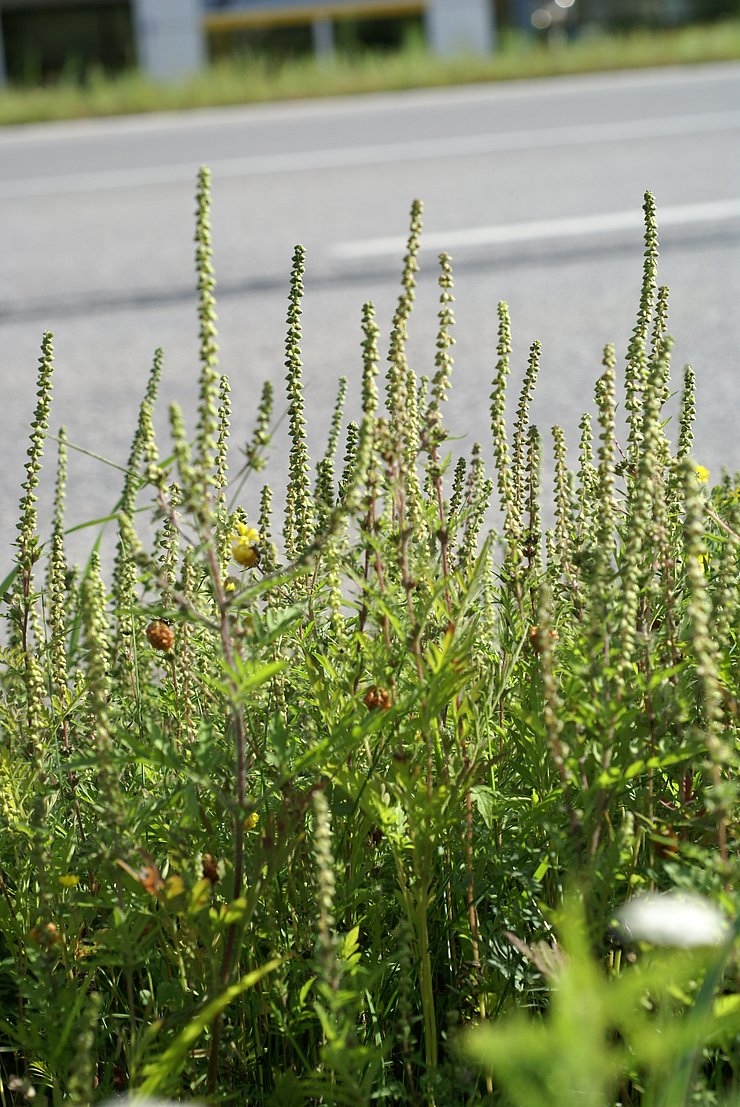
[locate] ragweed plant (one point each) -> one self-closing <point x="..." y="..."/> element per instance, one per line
<point x="281" y="821"/>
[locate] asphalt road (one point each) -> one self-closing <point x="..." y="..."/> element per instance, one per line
<point x="534" y="187"/>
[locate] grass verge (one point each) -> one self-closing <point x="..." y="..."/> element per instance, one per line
<point x="258" y="79"/>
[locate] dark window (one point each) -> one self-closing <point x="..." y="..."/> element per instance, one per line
<point x="46" y="43"/>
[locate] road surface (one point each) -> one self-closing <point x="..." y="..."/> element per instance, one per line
<point x="535" y="188"/>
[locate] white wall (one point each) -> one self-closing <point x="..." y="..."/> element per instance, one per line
<point x="170" y="42"/>
<point x="460" y="26"/>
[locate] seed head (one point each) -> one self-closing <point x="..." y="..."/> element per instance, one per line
<point x="536" y="637"/>
<point x="210" y="868"/>
<point x="377" y="699"/>
<point x="161" y="635"/>
<point x="45" y="935"/>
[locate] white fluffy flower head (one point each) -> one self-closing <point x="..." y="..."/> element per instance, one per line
<point x="673" y="919"/>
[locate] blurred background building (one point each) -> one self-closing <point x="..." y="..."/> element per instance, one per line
<point x="41" y="40"/>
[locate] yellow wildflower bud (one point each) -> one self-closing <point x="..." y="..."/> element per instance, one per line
<point x="251" y="821"/>
<point x="702" y="474"/>
<point x="244" y="546"/>
<point x="248" y="556"/>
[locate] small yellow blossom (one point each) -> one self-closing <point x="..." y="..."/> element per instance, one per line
<point x="702" y="474"/>
<point x="251" y="821"/>
<point x="244" y="546"/>
<point x="69" y="880"/>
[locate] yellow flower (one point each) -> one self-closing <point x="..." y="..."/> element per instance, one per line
<point x="69" y="880"/>
<point x="244" y="546"/>
<point x="251" y="821"/>
<point x="702" y="474"/>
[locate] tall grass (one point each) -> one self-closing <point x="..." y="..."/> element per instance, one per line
<point x="257" y="78"/>
<point x="285" y="816"/>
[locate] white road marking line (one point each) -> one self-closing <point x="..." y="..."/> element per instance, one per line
<point x="377" y="154"/>
<point x="678" y="215"/>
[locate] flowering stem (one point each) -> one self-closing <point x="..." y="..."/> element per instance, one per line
<point x="237" y="722"/>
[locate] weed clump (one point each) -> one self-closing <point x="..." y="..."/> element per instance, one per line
<point x="280" y="824"/>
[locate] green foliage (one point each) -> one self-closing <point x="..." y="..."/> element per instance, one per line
<point x="625" y="1028"/>
<point x="280" y="825"/>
